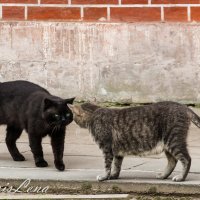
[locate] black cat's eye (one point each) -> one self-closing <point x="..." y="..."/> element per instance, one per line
<point x="57" y="117"/>
<point x="67" y="115"/>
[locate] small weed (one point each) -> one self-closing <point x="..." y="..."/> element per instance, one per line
<point x="116" y="189"/>
<point x="152" y="190"/>
<point x="85" y="187"/>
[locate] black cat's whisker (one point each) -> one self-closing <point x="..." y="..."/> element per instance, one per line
<point x="53" y="130"/>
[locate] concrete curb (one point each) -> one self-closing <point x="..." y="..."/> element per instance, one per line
<point x="105" y="196"/>
<point x="94" y="187"/>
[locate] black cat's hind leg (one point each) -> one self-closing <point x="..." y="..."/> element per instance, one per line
<point x="117" y="167"/>
<point x="36" y="148"/>
<point x="13" y="133"/>
<point x="108" y="156"/>
<point x="170" y="166"/>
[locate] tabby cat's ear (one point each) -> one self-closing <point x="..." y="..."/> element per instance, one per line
<point x="74" y="109"/>
<point x="48" y="103"/>
<point x="71" y="107"/>
<point x="69" y="101"/>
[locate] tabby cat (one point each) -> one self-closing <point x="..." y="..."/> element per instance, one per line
<point x="27" y="106"/>
<point x="142" y="130"/>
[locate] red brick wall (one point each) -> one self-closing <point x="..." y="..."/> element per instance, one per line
<point x="101" y="10"/>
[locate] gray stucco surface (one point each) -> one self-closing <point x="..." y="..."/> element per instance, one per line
<point x="116" y="62"/>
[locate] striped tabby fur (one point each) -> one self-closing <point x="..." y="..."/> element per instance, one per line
<point x="143" y="130"/>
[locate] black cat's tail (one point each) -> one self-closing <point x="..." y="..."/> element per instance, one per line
<point x="194" y="117"/>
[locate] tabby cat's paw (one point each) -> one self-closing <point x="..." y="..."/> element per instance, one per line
<point x="19" y="157"/>
<point x="160" y="176"/>
<point x="41" y="163"/>
<point x="102" y="178"/>
<point x="114" y="176"/>
<point x="178" y="178"/>
<point x="59" y="165"/>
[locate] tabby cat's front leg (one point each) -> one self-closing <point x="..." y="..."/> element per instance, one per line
<point x="117" y="167"/>
<point x="108" y="156"/>
<point x="57" y="142"/>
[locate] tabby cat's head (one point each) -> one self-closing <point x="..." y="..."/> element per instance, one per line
<point x="83" y="113"/>
<point x="56" y="112"/>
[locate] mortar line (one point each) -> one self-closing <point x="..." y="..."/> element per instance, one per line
<point x="120" y="2"/>
<point x="26" y="13"/>
<point x="162" y="14"/>
<point x="108" y="13"/>
<point x="39" y="2"/>
<point x="1" y="15"/>
<point x="149" y="2"/>
<point x="189" y="13"/>
<point x="103" y="6"/>
<point x="82" y="12"/>
<point x="69" y="2"/>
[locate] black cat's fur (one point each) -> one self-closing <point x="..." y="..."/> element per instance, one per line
<point x="27" y="106"/>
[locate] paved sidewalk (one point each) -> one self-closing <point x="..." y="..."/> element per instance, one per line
<point x="84" y="162"/>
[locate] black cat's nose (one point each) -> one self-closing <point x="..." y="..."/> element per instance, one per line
<point x="63" y="119"/>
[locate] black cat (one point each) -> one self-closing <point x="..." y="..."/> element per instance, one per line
<point x="25" y="105"/>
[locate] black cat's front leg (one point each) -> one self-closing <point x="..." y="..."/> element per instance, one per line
<point x="108" y="156"/>
<point x="36" y="148"/>
<point x="57" y="142"/>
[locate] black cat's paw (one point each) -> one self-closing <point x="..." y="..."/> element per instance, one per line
<point x="19" y="157"/>
<point x="59" y="165"/>
<point x="41" y="163"/>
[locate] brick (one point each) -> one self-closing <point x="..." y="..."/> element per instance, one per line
<point x="13" y="12"/>
<point x="19" y="1"/>
<point x="175" y="1"/>
<point x="135" y="14"/>
<point x="53" y="13"/>
<point x="175" y="14"/>
<point x="94" y="1"/>
<point x="195" y="16"/>
<point x="95" y="14"/>
<point x="134" y="1"/>
<point x="54" y="2"/>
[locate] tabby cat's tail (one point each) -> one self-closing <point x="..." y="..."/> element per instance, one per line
<point x="194" y="118"/>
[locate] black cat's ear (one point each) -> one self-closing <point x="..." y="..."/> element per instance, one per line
<point x="70" y="101"/>
<point x="48" y="103"/>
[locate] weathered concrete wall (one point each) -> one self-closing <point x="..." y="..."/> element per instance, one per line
<point x="111" y="62"/>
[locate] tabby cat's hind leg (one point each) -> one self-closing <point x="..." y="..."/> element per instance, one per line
<point x="13" y="133"/>
<point x="117" y="167"/>
<point x="176" y="145"/>
<point x="170" y="166"/>
<point x="183" y="156"/>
